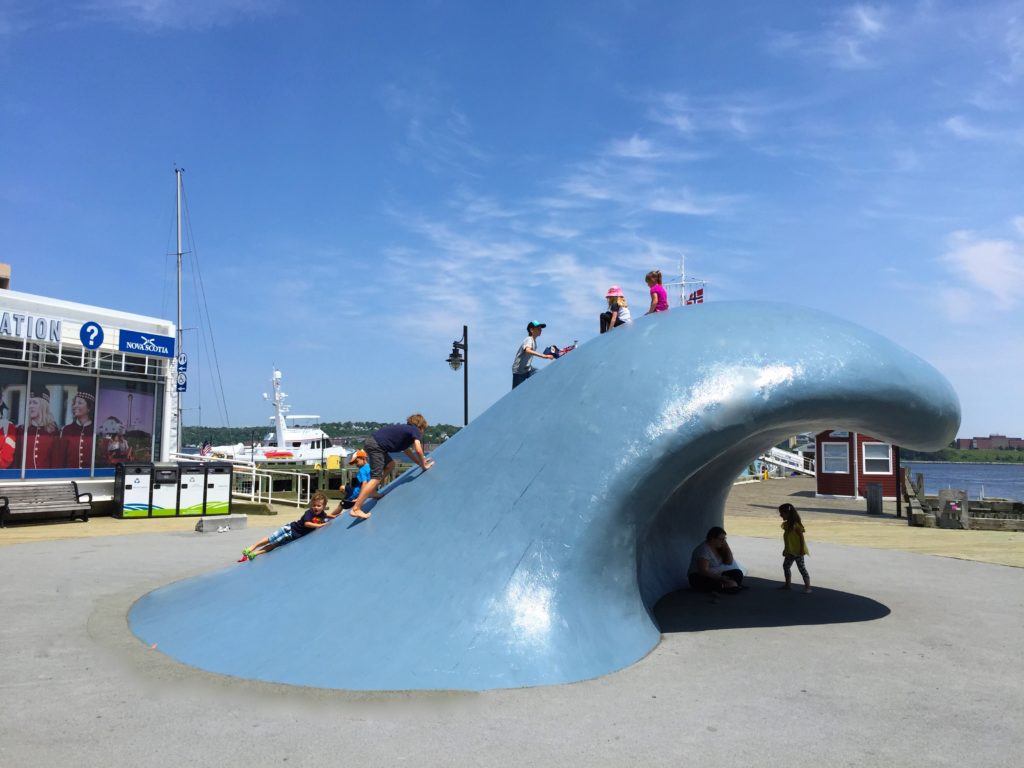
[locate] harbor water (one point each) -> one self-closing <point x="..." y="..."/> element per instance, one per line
<point x="1000" y="481"/>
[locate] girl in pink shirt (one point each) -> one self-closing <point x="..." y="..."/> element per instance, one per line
<point x="659" y="297"/>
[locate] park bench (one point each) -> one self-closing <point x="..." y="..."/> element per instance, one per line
<point x="52" y="499"/>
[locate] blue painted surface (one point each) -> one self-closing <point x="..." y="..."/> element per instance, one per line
<point x="533" y="551"/>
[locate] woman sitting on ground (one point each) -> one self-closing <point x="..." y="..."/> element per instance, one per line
<point x="712" y="566"/>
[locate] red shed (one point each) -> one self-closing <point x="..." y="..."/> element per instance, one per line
<point x="846" y="461"/>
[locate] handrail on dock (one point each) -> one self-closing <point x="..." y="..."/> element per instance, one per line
<point x="258" y="476"/>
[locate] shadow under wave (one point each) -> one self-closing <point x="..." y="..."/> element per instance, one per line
<point x="763" y="605"/>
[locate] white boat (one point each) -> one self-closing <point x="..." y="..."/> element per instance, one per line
<point x="288" y="443"/>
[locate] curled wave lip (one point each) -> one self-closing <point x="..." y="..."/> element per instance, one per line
<point x="534" y="551"/>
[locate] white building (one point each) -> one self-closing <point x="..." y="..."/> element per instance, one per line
<point x="81" y="389"/>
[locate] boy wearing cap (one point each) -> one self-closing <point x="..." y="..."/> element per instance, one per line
<point x="362" y="461"/>
<point x="522" y="365"/>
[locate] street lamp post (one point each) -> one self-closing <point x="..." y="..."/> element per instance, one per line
<point x="457" y="359"/>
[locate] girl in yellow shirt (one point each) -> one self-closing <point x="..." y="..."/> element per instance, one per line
<point x="795" y="546"/>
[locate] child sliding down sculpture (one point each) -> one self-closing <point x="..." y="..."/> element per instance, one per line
<point x="312" y="518"/>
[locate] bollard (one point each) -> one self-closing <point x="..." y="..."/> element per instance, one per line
<point x="874" y="497"/>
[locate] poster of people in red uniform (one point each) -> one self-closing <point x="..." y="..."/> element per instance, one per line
<point x="12" y="415"/>
<point x="124" y="413"/>
<point x="58" y="428"/>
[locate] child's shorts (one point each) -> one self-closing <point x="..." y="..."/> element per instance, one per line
<point x="282" y="535"/>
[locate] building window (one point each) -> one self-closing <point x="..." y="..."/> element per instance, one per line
<point x="835" y="458"/>
<point x="877" y="459"/>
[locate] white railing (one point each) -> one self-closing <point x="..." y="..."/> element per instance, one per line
<point x="795" y="462"/>
<point x="255" y="482"/>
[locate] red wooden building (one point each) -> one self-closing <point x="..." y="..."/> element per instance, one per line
<point x="846" y="462"/>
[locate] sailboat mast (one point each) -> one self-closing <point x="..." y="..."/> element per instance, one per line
<point x="177" y="213"/>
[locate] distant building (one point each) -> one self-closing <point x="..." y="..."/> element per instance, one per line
<point x="997" y="442"/>
<point x="847" y="462"/>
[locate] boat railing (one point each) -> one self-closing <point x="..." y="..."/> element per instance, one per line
<point x="788" y="460"/>
<point x="255" y="482"/>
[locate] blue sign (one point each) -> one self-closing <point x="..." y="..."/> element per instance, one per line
<point x="146" y="344"/>
<point x="91" y="335"/>
<point x="181" y="383"/>
<point x="182" y="362"/>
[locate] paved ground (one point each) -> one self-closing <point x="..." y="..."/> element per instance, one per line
<point x="750" y="512"/>
<point x="895" y="659"/>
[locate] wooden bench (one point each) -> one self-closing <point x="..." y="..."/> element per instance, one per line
<point x="52" y="499"/>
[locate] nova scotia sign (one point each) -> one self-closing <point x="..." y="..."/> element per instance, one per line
<point x="146" y="344"/>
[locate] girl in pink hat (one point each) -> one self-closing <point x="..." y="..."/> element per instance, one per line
<point x="618" y="310"/>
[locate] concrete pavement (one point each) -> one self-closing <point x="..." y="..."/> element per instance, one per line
<point x="895" y="659"/>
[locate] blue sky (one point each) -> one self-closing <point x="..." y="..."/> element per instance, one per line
<point x="365" y="178"/>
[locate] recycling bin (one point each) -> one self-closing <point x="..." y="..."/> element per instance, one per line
<point x="165" y="490"/>
<point x="191" y="488"/>
<point x="218" y="488"/>
<point x="132" y="488"/>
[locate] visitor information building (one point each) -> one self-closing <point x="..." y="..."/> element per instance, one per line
<point x="83" y="388"/>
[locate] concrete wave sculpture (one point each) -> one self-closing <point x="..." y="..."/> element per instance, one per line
<point x="536" y="548"/>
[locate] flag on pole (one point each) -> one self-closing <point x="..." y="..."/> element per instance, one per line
<point x="695" y="297"/>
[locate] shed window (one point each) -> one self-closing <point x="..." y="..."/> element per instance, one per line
<point x="877" y="459"/>
<point x="835" y="458"/>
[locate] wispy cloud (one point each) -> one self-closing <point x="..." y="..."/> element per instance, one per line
<point x="993" y="266"/>
<point x="156" y="15"/>
<point x="438" y="136"/>
<point x="641" y="188"/>
<point x="736" y="115"/>
<point x="963" y="128"/>
<point x="849" y="40"/>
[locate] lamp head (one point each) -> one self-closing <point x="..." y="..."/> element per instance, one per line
<point x="455" y="360"/>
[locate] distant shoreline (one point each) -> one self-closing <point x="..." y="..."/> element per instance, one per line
<point x="976" y="463"/>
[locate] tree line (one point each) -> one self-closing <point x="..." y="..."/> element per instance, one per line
<point x="350" y="431"/>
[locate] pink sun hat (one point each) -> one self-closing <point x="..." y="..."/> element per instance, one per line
<point x="613" y="291"/>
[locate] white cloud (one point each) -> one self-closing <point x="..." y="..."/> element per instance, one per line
<point x="737" y="116"/>
<point x="179" y="14"/>
<point x="848" y="41"/>
<point x="685" y="204"/>
<point x="438" y="136"/>
<point x="962" y="128"/>
<point x="995" y="267"/>
<point x="1014" y="42"/>
<point x="634" y="147"/>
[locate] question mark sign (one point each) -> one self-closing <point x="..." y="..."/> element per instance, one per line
<point x="91" y="335"/>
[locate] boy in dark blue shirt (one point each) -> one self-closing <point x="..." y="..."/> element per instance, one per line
<point x="312" y="519"/>
<point x="385" y="441"/>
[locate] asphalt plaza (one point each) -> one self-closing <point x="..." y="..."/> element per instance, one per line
<point x="895" y="659"/>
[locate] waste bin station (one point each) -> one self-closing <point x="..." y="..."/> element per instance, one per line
<point x="172" y="489"/>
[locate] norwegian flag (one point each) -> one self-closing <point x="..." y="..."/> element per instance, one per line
<point x="695" y="297"/>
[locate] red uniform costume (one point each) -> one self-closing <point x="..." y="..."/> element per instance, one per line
<point x="39" y="444"/>
<point x="8" y="447"/>
<point x="74" y="447"/>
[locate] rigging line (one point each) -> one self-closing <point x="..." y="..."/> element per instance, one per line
<point x="203" y="342"/>
<point x="167" y="264"/>
<point x="205" y="349"/>
<point x="209" y="324"/>
<point x="208" y="328"/>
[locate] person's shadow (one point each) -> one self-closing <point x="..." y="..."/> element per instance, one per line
<point x="763" y="605"/>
